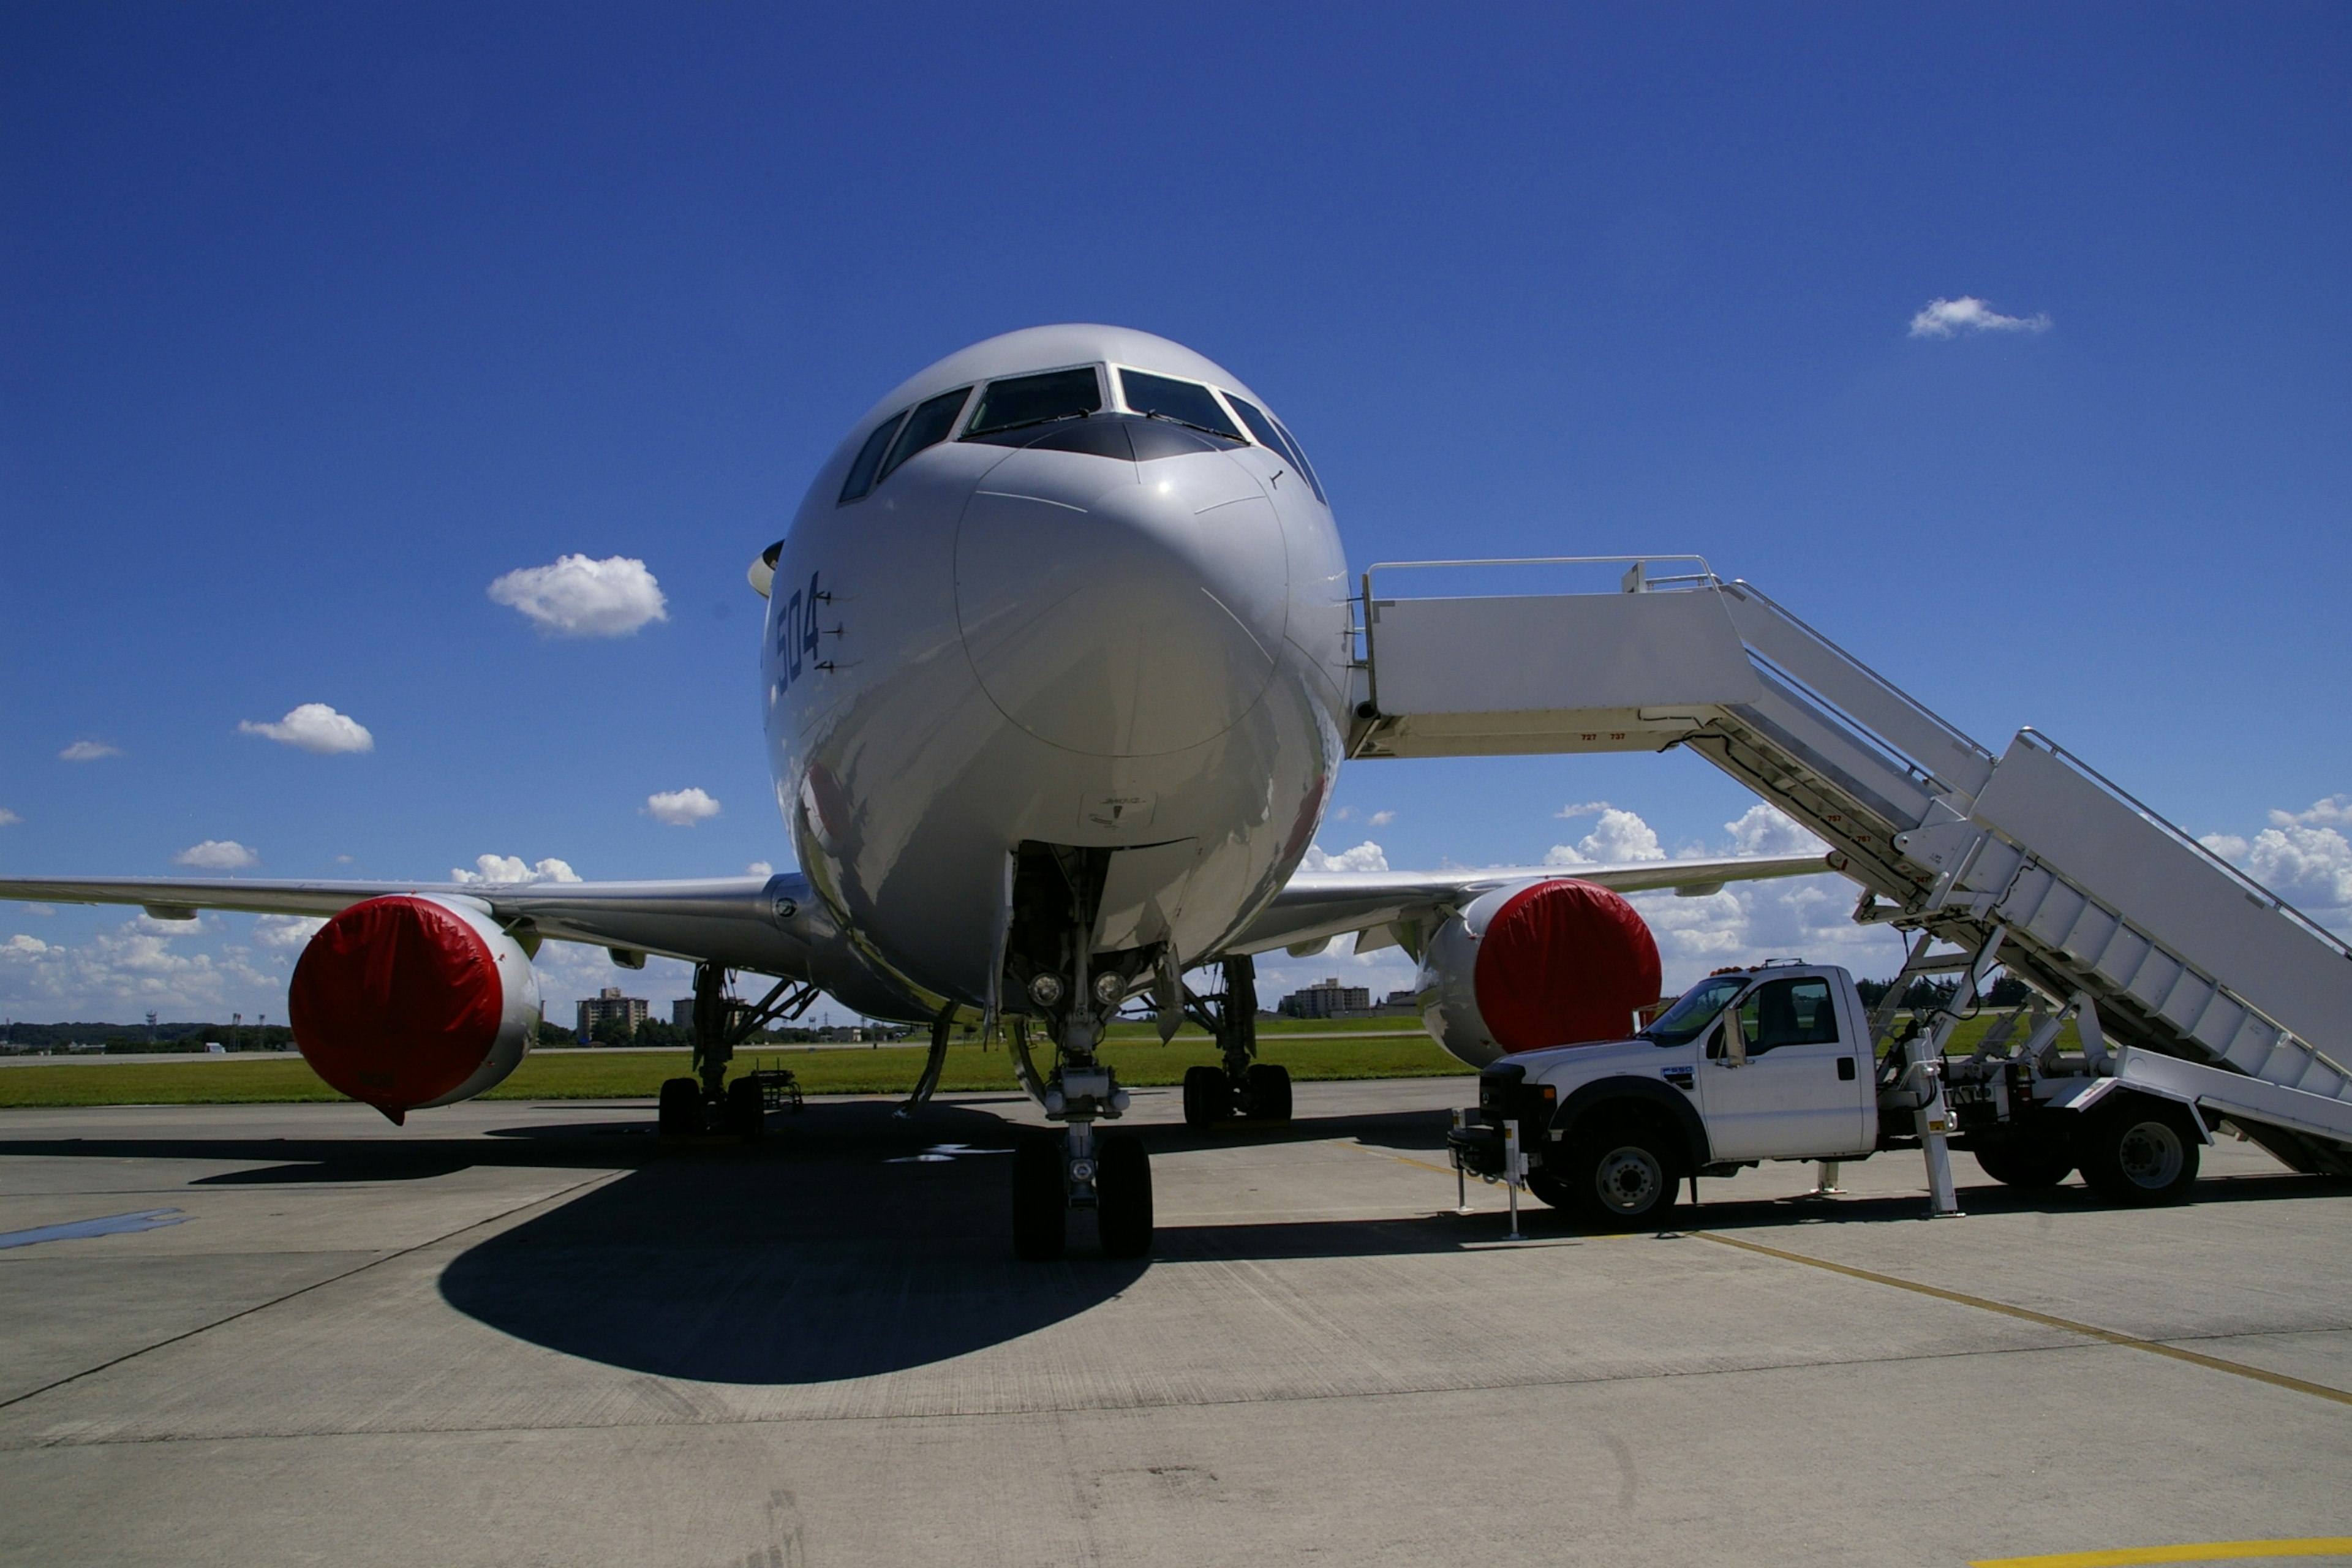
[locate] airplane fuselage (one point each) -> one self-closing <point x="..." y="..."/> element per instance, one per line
<point x="1094" y="628"/>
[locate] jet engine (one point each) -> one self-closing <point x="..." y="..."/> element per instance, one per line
<point x="405" y="1002"/>
<point x="1545" y="964"/>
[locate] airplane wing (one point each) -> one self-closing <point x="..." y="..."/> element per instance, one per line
<point x="1317" y="906"/>
<point x="743" y="922"/>
<point x="765" y="923"/>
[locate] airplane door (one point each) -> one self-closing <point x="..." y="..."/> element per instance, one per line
<point x="1799" y="1093"/>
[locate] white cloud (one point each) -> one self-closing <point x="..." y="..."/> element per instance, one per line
<point x="217" y="854"/>
<point x="1577" y="808"/>
<point x="125" y="970"/>
<point x="758" y="868"/>
<point x="1380" y="819"/>
<point x="43" y="909"/>
<point x="577" y="597"/>
<point x="511" y="869"/>
<point x="1345" y="813"/>
<point x="1944" y="318"/>
<point x="8" y="818"/>
<point x="1619" y="837"/>
<point x="286" y="933"/>
<point x="2228" y="845"/>
<point x="2303" y="865"/>
<point x="680" y="807"/>
<point x="315" y="727"/>
<point x="2336" y="811"/>
<point x="1766" y="829"/>
<point x="1364" y="857"/>
<point x="88" y="752"/>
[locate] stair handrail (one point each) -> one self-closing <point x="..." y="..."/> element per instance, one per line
<point x="1742" y="587"/>
<point x="1704" y="576"/>
<point x="2181" y="836"/>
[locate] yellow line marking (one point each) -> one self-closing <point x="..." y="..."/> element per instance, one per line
<point x="2111" y="1336"/>
<point x="2199" y="1552"/>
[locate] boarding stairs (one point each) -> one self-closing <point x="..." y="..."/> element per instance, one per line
<point x="2182" y="973"/>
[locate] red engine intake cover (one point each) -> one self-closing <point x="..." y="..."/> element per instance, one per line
<point x="396" y="1002"/>
<point x="1562" y="962"/>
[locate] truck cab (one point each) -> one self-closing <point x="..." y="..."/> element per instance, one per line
<point x="1770" y="1063"/>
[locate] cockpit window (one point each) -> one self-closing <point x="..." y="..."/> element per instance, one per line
<point x="869" y="459"/>
<point x="1024" y="400"/>
<point x="927" y="425"/>
<point x="1270" y="433"/>
<point x="1179" y="401"/>
<point x="1696" y="1010"/>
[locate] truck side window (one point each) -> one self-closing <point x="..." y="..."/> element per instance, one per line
<point x="1789" y="1013"/>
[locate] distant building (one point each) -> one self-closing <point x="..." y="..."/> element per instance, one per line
<point x="1326" y="999"/>
<point x="627" y="1011"/>
<point x="681" y="1011"/>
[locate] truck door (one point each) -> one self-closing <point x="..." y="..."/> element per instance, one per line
<point x="1799" y="1094"/>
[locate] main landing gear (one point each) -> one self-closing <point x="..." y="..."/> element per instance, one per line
<point x="1240" y="1086"/>
<point x="707" y="1103"/>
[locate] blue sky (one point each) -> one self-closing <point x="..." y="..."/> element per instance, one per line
<point x="320" y="319"/>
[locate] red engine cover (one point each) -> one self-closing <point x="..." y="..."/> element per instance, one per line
<point x="1561" y="962"/>
<point x="396" y="1002"/>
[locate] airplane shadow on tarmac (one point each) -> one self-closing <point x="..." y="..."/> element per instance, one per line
<point x="831" y="1250"/>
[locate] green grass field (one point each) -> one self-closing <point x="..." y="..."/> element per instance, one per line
<point x="1141" y="1060"/>
<point x="625" y="1074"/>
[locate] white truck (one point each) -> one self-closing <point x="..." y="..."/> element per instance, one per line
<point x="1778" y="1063"/>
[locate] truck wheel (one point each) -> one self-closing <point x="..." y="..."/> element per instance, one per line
<point x="1623" y="1178"/>
<point x="1550" y="1189"/>
<point x="2033" y="1163"/>
<point x="2139" y="1151"/>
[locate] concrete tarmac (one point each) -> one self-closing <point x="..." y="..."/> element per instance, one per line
<point x="523" y="1333"/>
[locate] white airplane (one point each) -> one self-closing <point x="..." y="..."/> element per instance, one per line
<point x="1057" y="673"/>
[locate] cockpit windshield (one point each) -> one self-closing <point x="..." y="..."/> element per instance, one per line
<point x="1271" y="435"/>
<point x="1186" y="402"/>
<point x="1025" y="400"/>
<point x="1697" y="1008"/>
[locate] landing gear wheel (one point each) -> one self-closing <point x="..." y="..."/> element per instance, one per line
<point x="1267" y="1092"/>
<point x="747" y="1109"/>
<point x="1623" y="1178"/>
<point x="2033" y="1163"/>
<point x="1041" y="1199"/>
<point x="681" y="1108"/>
<point x="1208" y="1096"/>
<point x="1123" y="1193"/>
<point x="2139" y="1153"/>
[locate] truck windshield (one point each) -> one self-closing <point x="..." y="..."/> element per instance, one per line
<point x="1696" y="1010"/>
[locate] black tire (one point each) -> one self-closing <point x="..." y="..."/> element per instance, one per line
<point x="1268" y="1092"/>
<point x="2137" y="1151"/>
<point x="1041" y="1199"/>
<point x="1623" y="1176"/>
<point x="747" y="1109"/>
<point x="1208" y="1096"/>
<point x="1123" y="1196"/>
<point x="681" y="1108"/>
<point x="1545" y="1185"/>
<point x="2033" y="1163"/>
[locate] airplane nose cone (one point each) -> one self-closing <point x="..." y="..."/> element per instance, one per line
<point x="1121" y="608"/>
